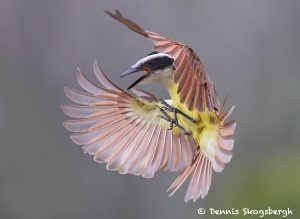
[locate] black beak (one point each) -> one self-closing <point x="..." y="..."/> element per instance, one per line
<point x="138" y="80"/>
<point x="133" y="70"/>
<point x="129" y="71"/>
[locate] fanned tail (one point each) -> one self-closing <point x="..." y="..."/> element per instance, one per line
<point x="200" y="181"/>
<point x="201" y="168"/>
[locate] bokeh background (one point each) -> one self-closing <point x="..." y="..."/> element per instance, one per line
<point x="251" y="49"/>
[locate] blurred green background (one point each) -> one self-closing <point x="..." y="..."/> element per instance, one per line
<point x="251" y="50"/>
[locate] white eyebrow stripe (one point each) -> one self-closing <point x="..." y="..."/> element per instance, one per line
<point x="147" y="58"/>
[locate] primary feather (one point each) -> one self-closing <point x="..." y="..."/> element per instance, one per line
<point x="195" y="89"/>
<point x="122" y="130"/>
<point x="128" y="134"/>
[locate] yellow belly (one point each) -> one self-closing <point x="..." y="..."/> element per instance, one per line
<point x="204" y="131"/>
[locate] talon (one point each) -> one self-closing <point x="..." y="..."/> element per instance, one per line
<point x="170" y="108"/>
<point x="194" y="120"/>
<point x="187" y="133"/>
<point x="158" y="107"/>
<point x="173" y="121"/>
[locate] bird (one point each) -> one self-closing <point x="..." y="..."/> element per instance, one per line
<point x="138" y="133"/>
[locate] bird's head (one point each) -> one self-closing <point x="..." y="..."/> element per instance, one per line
<point x="155" y="66"/>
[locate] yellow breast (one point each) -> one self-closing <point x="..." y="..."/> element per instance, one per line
<point x="205" y="129"/>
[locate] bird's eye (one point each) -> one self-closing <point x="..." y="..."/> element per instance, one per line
<point x="150" y="62"/>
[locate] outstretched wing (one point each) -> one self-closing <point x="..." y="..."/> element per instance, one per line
<point x="195" y="88"/>
<point x="124" y="131"/>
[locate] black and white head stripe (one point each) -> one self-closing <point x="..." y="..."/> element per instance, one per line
<point x="155" y="61"/>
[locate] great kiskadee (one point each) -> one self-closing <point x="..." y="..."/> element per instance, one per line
<point x="140" y="134"/>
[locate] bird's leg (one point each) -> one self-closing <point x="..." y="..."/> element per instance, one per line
<point x="170" y="108"/>
<point x="173" y="122"/>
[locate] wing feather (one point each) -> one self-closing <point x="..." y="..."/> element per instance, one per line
<point x="124" y="156"/>
<point x="89" y="112"/>
<point x="159" y="154"/>
<point x="122" y="130"/>
<point x="139" y="156"/>
<point x="115" y="158"/>
<point x="149" y="171"/>
<point x="180" y="52"/>
<point x="130" y="161"/>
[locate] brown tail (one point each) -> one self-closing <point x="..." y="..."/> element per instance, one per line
<point x="202" y="166"/>
<point x="200" y="180"/>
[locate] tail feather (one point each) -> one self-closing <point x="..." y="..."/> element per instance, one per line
<point x="200" y="171"/>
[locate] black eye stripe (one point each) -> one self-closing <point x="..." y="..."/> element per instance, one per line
<point x="158" y="63"/>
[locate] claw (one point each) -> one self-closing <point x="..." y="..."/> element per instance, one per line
<point x="175" y="110"/>
<point x="158" y="107"/>
<point x="173" y="121"/>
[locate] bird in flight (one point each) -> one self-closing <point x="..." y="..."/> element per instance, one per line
<point x="139" y="133"/>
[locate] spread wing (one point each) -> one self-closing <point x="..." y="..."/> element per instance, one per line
<point x="124" y="131"/>
<point x="195" y="88"/>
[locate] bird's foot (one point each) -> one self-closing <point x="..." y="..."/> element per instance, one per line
<point x="173" y="121"/>
<point x="170" y="108"/>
